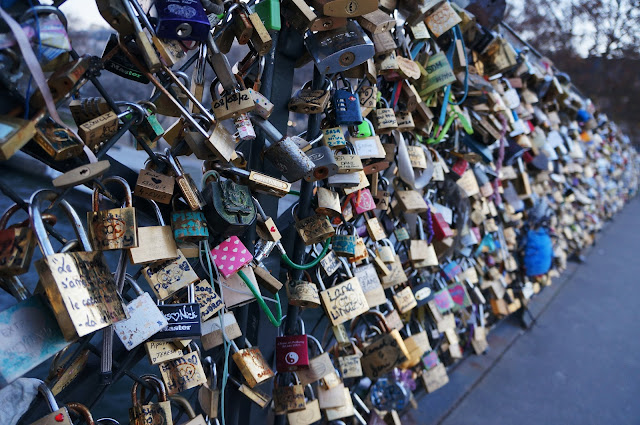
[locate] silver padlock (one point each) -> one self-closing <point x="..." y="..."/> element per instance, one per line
<point x="325" y="164"/>
<point x="340" y="49"/>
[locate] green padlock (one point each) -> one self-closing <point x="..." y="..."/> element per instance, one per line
<point x="269" y="12"/>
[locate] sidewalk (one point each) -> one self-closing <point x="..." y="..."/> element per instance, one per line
<point x="578" y="363"/>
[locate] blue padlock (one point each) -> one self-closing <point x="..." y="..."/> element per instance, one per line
<point x="346" y="106"/>
<point x="182" y="20"/>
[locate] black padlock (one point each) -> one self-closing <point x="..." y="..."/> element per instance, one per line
<point x="325" y="164"/>
<point x="229" y="209"/>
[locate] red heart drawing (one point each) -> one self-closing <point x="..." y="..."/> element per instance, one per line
<point x="59" y="417"/>
<point x="457" y="294"/>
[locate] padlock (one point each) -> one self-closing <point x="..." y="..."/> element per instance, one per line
<point x="350" y="366"/>
<point x="167" y="277"/>
<point x="386" y="251"/>
<point x="242" y="26"/>
<point x="187" y="225"/>
<point x="327" y="23"/>
<point x="309" y="101"/>
<point x="328" y="202"/>
<point x="284" y="153"/>
<point x="185" y="183"/>
<point x="303" y="293"/>
<point x="441" y="229"/>
<point x="319" y="366"/>
<point x="231" y="103"/>
<point x="58" y="141"/>
<point x="349" y="162"/>
<point x="143" y="44"/>
<point x="442" y="19"/>
<point x="230" y="256"/>
<point x="404" y="299"/>
<point x="253" y="394"/>
<point x="252" y="364"/>
<point x="374" y="228"/>
<point x="229" y="208"/>
<point x="62" y="81"/>
<point x="17" y="132"/>
<point x="333" y="137"/>
<point x="292" y="352"/>
<point x="397" y="275"/>
<point x="324" y="162"/>
<point x="344" y="241"/>
<point x="411" y="201"/>
<point x="385" y="352"/>
<point x="145" y="319"/>
<point x="363" y="201"/>
<point x="183" y="320"/>
<point x="96" y="131"/>
<point x="83" y="110"/>
<point x="288" y="398"/>
<point x="116" y="61"/>
<point x="74" y="313"/>
<point x="17" y="244"/>
<point x="209" y="394"/>
<point x="154" y="186"/>
<point x="155" y="243"/>
<point x="208" y="300"/>
<point x="219" y="145"/>
<point x="344" y="8"/>
<point x="182" y="20"/>
<point x="342" y="181"/>
<point x="58" y="415"/>
<point x="38" y="335"/>
<point x="340" y="49"/>
<point x="346" y="105"/>
<point x="370" y="283"/>
<point x="152" y="413"/>
<point x="435" y="377"/>
<point x="114" y="228"/>
<point x="384" y="120"/>
<point x="257" y="182"/>
<point x="314" y="229"/>
<point x="184" y="372"/>
<point x="384" y="43"/>
<point x="344" y="301"/>
<point x="307" y="416"/>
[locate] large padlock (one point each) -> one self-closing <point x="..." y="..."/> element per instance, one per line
<point x="328" y="202"/>
<point x="154" y="186"/>
<point x="320" y="366"/>
<point x="155" y="243"/>
<point x="314" y="229"/>
<point x="145" y="319"/>
<point x="114" y="228"/>
<point x="230" y="209"/>
<point x="349" y="162"/>
<point x="384" y="120"/>
<point x="91" y="302"/>
<point x="340" y="49"/>
<point x="153" y="413"/>
<point x="324" y="162"/>
<point x="307" y="416"/>
<point x="384" y="352"/>
<point x="182" y="20"/>
<point x="370" y="283"/>
<point x="209" y="394"/>
<point x="350" y="365"/>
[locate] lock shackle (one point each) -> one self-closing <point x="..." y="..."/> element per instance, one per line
<point x="35" y="215"/>
<point x="320" y="281"/>
<point x="156" y="209"/>
<point x="148" y="105"/>
<point x="136" y="109"/>
<point x="316" y="342"/>
<point x="421" y="233"/>
<point x="44" y="10"/>
<point x="212" y="377"/>
<point x="313" y="395"/>
<point x="381" y="320"/>
<point x="160" y="388"/>
<point x="183" y="404"/>
<point x="346" y="266"/>
<point x="134" y="285"/>
<point x="128" y="202"/>
<point x="311" y="142"/>
<point x="45" y="392"/>
<point x="81" y="410"/>
<point x="4" y="219"/>
<point x="346" y="83"/>
<point x="111" y="421"/>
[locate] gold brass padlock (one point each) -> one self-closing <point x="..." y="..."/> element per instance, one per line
<point x="252" y="364"/>
<point x="116" y="228"/>
<point x="58" y="141"/>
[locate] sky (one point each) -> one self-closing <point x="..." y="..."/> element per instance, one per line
<point x="83" y="14"/>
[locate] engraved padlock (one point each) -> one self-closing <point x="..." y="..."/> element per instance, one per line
<point x="182" y="20"/>
<point x="324" y="161"/>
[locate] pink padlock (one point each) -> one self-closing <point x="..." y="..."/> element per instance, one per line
<point x="230" y="256"/>
<point x="363" y="201"/>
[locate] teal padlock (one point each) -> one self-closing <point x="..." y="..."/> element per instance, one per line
<point x="188" y="225"/>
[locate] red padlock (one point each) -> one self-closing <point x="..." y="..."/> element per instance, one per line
<point x="460" y="167"/>
<point x="441" y="229"/>
<point x="292" y="353"/>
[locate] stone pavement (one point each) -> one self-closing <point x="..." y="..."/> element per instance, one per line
<point x="579" y="361"/>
